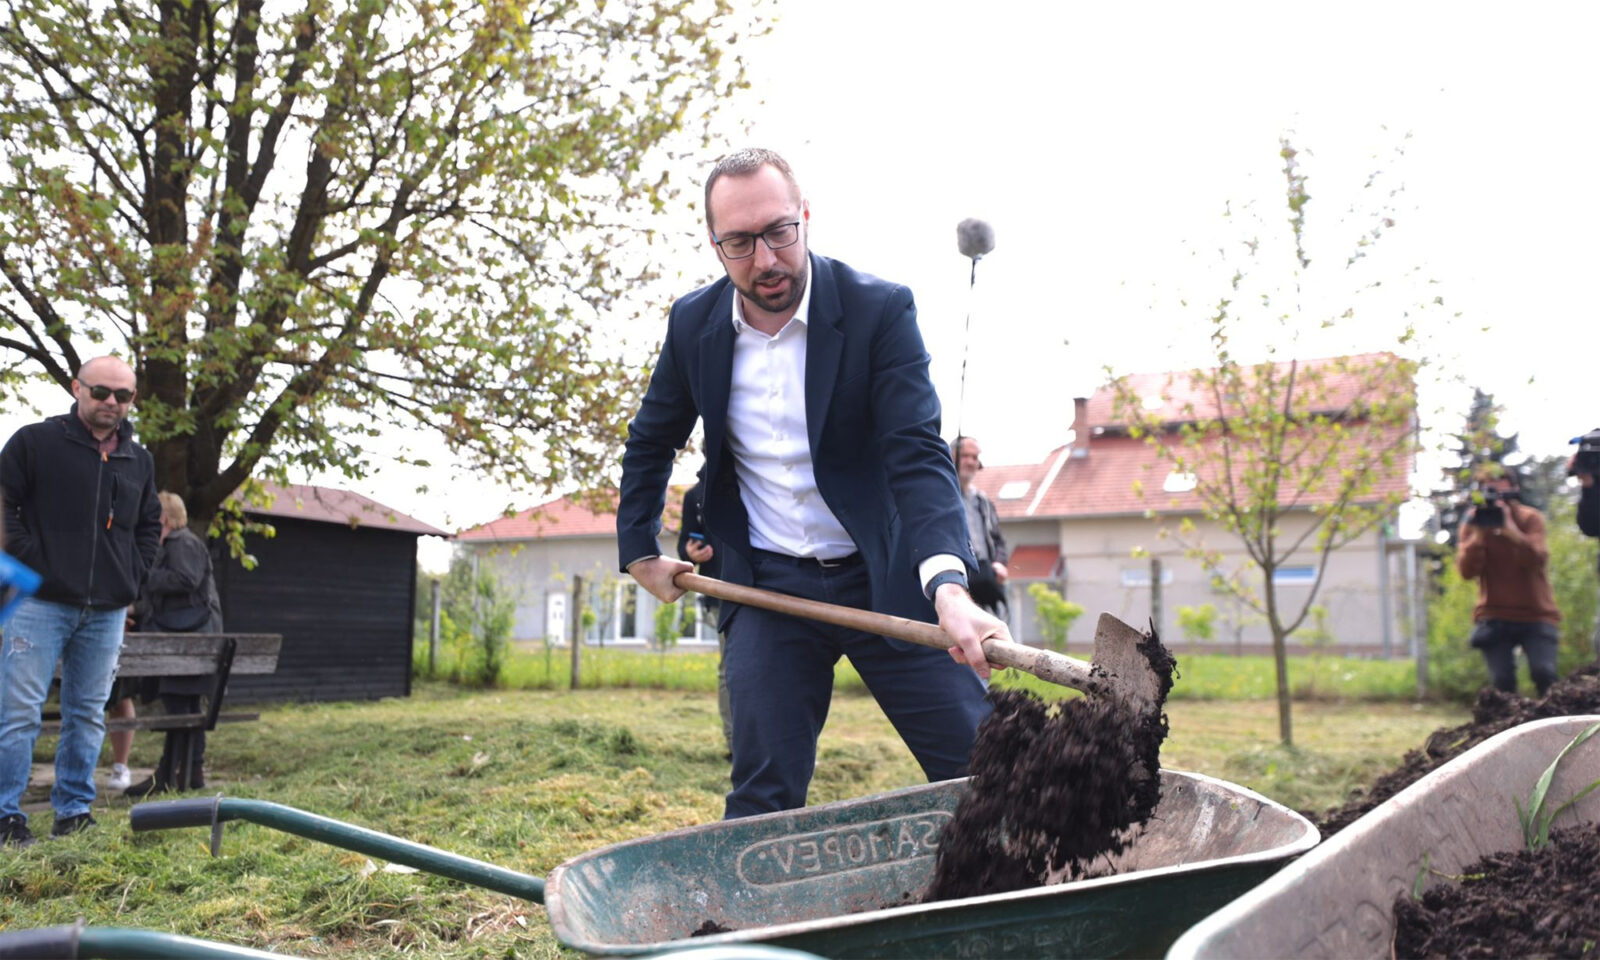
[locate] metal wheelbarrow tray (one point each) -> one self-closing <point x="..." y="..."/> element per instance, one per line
<point x="1337" y="901"/>
<point x="842" y="880"/>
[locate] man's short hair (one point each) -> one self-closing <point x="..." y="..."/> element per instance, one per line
<point x="743" y="163"/>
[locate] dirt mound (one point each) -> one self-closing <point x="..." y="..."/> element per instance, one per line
<point x="1518" y="904"/>
<point x="1053" y="786"/>
<point x="1494" y="712"/>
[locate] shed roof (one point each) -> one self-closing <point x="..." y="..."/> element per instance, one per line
<point x="328" y="505"/>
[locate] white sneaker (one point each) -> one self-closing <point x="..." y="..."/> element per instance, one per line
<point x="121" y="776"/>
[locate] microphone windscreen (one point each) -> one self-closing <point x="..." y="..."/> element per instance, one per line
<point x="974" y="237"/>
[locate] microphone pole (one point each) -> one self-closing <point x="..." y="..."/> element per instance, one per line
<point x="974" y="238"/>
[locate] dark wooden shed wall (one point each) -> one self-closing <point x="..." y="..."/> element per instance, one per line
<point x="342" y="599"/>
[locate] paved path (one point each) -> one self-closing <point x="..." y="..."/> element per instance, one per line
<point x="36" y="799"/>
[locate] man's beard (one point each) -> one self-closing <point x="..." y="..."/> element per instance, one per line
<point x="797" y="289"/>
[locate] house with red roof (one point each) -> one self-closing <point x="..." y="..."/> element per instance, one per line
<point x="1086" y="520"/>
<point x="541" y="553"/>
<point x="1089" y="520"/>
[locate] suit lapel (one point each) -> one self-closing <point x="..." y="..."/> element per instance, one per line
<point x="716" y="374"/>
<point x="824" y="346"/>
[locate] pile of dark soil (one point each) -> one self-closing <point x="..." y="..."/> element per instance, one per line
<point x="1053" y="787"/>
<point x="1514" y="904"/>
<point x="1494" y="712"/>
<point x="1522" y="904"/>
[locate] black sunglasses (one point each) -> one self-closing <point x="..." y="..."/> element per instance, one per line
<point x="101" y="392"/>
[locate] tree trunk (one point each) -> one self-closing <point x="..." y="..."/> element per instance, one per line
<point x="1280" y="654"/>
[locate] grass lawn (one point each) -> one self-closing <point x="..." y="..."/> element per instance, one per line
<point x="526" y="779"/>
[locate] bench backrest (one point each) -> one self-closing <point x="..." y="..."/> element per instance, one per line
<point x="195" y="654"/>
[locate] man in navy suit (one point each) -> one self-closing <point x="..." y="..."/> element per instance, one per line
<point x="825" y="478"/>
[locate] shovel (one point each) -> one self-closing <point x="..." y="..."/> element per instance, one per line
<point x="1120" y="669"/>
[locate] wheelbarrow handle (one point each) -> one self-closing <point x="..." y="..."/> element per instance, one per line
<point x="1044" y="664"/>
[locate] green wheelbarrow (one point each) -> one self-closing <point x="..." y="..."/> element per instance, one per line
<point x="845" y="879"/>
<point x="82" y="942"/>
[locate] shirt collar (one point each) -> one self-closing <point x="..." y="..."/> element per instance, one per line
<point x="801" y="312"/>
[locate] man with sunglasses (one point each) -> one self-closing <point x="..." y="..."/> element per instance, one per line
<point x="80" y="508"/>
<point x="825" y="478"/>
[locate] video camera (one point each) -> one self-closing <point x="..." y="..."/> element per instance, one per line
<point x="1486" y="507"/>
<point x="1587" y="460"/>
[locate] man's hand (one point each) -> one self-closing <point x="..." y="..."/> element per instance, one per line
<point x="655" y="575"/>
<point x="1001" y="574"/>
<point x="699" y="551"/>
<point x="969" y="624"/>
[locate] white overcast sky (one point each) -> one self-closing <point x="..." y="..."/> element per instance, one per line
<point x="1102" y="141"/>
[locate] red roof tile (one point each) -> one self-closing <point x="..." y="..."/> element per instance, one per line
<point x="1108" y="482"/>
<point x="327" y="505"/>
<point x="568" y="517"/>
<point x="1183" y="400"/>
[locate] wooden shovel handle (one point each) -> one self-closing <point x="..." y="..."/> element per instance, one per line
<point x="1044" y="664"/>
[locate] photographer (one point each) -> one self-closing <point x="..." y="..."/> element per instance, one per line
<point x="1502" y="546"/>
<point x="1585" y="465"/>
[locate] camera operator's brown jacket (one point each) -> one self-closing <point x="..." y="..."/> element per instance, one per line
<point x="1512" y="580"/>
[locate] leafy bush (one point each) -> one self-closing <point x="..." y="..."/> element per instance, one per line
<point x="1054" y="615"/>
<point x="1198" y="624"/>
<point x="476" y="615"/>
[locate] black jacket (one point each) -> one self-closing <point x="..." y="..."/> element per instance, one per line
<point x="694" y="521"/>
<point x="1589" y="510"/>
<point x="90" y="525"/>
<point x="180" y="588"/>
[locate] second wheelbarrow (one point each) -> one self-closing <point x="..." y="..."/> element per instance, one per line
<point x="846" y="878"/>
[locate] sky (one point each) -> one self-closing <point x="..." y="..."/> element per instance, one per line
<point x="1103" y="143"/>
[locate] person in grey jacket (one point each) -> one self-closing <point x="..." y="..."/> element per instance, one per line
<point x="179" y="596"/>
<point x="983" y="524"/>
<point x="81" y="510"/>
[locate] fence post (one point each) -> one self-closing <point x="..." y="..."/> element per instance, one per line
<point x="1155" y="595"/>
<point x="433" y="633"/>
<point x="1385" y="598"/>
<point x="577" y="630"/>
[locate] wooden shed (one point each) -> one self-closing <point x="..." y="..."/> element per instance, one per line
<point x="337" y="581"/>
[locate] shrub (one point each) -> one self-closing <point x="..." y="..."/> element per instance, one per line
<point x="1054" y="615"/>
<point x="1198" y="624"/>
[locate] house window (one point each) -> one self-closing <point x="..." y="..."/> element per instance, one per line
<point x="628" y="601"/>
<point x="1294" y="576"/>
<point x="1140" y="576"/>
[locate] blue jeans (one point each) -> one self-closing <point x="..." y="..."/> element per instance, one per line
<point x="86" y="642"/>
<point x="780" y="685"/>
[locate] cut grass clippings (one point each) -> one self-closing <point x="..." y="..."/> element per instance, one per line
<point x="525" y="780"/>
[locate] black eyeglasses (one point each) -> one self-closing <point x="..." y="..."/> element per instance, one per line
<point x="101" y="392"/>
<point x="742" y="245"/>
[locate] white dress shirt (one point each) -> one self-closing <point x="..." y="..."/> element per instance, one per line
<point x="771" y="446"/>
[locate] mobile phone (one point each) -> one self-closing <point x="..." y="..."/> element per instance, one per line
<point x="698" y="536"/>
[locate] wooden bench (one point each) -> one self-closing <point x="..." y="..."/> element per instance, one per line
<point x="216" y="656"/>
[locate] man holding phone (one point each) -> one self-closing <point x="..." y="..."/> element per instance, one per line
<point x="1502" y="546"/>
<point x="695" y="547"/>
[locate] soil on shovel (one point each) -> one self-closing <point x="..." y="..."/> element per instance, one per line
<point x="1052" y="788"/>
<point x="1520" y="904"/>
<point x="1577" y="694"/>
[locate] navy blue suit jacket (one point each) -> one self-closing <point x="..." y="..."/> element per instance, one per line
<point x="871" y="414"/>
